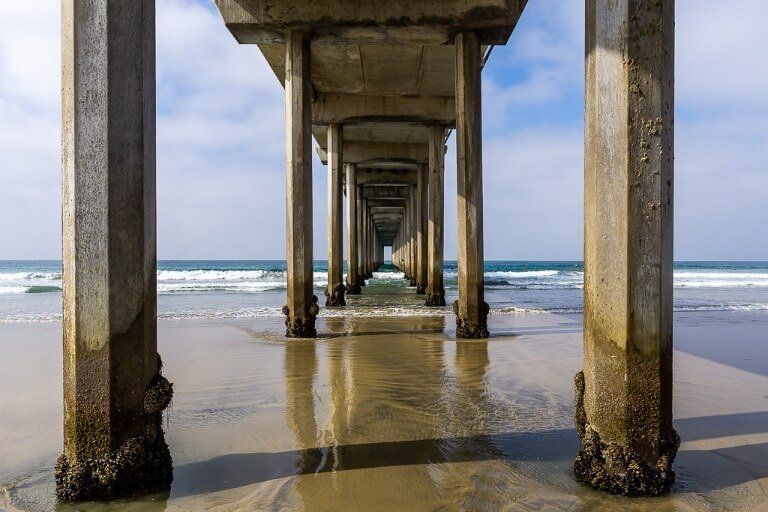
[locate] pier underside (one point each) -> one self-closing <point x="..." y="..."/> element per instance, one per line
<point x="375" y="88"/>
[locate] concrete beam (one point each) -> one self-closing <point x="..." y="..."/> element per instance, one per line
<point x="386" y="177"/>
<point x="386" y="203"/>
<point x="394" y="21"/>
<point x="357" y="108"/>
<point x="384" y="192"/>
<point x="624" y="396"/>
<point x="373" y="152"/>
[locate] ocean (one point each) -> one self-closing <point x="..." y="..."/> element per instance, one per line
<point x="30" y="291"/>
<point x="387" y="394"/>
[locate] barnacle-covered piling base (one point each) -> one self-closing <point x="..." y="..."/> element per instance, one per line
<point x="141" y="465"/>
<point x="336" y="299"/>
<point x="615" y="469"/>
<point x="472" y="330"/>
<point x="302" y="327"/>
<point x="436" y="299"/>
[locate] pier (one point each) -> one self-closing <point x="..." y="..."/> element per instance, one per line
<point x="377" y="89"/>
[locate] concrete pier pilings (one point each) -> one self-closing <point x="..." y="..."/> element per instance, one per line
<point x="389" y="82"/>
<point x="360" y="238"/>
<point x="413" y="235"/>
<point x="301" y="309"/>
<point x="336" y="289"/>
<point x="422" y="199"/>
<point x="387" y="74"/>
<point x="470" y="308"/>
<point x="114" y="393"/>
<point x="624" y="395"/>
<point x="436" y="218"/>
<point x="353" y="284"/>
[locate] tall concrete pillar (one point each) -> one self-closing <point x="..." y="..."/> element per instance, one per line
<point x="471" y="309"/>
<point x="624" y="394"/>
<point x="379" y="250"/>
<point x="396" y="249"/>
<point x="422" y="206"/>
<point x="353" y="286"/>
<point x="301" y="309"/>
<point x="413" y="215"/>
<point x="361" y="202"/>
<point x="367" y="243"/>
<point x="406" y="233"/>
<point x="335" y="292"/>
<point x="114" y="393"/>
<point x="435" y="236"/>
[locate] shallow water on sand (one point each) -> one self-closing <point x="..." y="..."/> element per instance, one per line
<point x="394" y="414"/>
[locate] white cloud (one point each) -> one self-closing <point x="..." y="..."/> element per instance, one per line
<point x="221" y="182"/>
<point x="29" y="129"/>
<point x="720" y="53"/>
<point x="721" y="142"/>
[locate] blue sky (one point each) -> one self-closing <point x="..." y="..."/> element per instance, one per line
<point x="221" y="142"/>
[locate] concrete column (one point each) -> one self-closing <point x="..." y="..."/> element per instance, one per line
<point x="301" y="309"/>
<point x="396" y="249"/>
<point x="368" y="234"/>
<point x="435" y="236"/>
<point x="624" y="394"/>
<point x="406" y="233"/>
<point x="114" y="393"/>
<point x="471" y="309"/>
<point x="361" y="203"/>
<point x="335" y="292"/>
<point x="413" y="215"/>
<point x="422" y="206"/>
<point x="379" y="250"/>
<point x="353" y="287"/>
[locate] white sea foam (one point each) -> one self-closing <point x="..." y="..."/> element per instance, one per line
<point x="390" y="276"/>
<point x="258" y="281"/>
<point x="216" y="275"/>
<point x="718" y="279"/>
<point x="29" y="276"/>
<point x="524" y="274"/>
<point x="13" y="290"/>
<point x="377" y="312"/>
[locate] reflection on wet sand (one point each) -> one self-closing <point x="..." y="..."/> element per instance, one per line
<point x="394" y="414"/>
<point x="377" y="417"/>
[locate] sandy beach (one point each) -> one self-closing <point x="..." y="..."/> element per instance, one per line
<point x="384" y="414"/>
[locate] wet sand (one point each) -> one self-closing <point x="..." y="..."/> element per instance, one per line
<point x="393" y="414"/>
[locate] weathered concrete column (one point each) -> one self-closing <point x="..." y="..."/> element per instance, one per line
<point x="353" y="287"/>
<point x="114" y="393"/>
<point x="396" y="261"/>
<point x="301" y="309"/>
<point x="361" y="202"/>
<point x="367" y="240"/>
<point x="624" y="395"/>
<point x="379" y="250"/>
<point x="413" y="215"/>
<point x="406" y="233"/>
<point x="435" y="236"/>
<point x="422" y="206"/>
<point x="471" y="309"/>
<point x="335" y="292"/>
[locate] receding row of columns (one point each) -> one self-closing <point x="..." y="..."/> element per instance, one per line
<point x="419" y="248"/>
<point x="418" y="245"/>
<point x="114" y="392"/>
